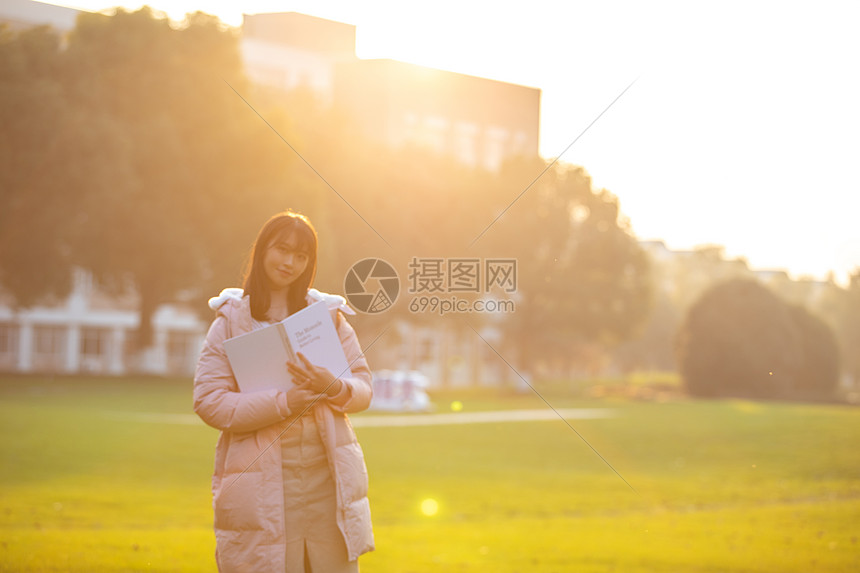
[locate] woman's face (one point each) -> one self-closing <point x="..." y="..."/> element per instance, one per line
<point x="284" y="262"/>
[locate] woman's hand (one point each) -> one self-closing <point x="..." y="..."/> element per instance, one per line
<point x="315" y="378"/>
<point x="299" y="397"/>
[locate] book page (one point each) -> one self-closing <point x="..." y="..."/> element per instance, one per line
<point x="311" y="331"/>
<point x="259" y="360"/>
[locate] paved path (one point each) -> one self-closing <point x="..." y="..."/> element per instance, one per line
<point x="369" y="421"/>
<point x="402" y="420"/>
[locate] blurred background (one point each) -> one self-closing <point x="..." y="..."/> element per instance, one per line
<point x="142" y="150"/>
<point x="666" y="380"/>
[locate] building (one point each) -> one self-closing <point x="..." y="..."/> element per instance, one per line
<point x="478" y="121"/>
<point x="289" y="50"/>
<point x="92" y="332"/>
<point x="18" y="14"/>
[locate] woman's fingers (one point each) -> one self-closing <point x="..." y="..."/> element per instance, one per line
<point x="299" y="374"/>
<point x="297" y="371"/>
<point x="312" y="369"/>
<point x="305" y="361"/>
<point x="300" y="397"/>
<point x="317" y="377"/>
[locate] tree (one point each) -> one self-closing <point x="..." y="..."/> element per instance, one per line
<point x="35" y="119"/>
<point x="818" y="375"/>
<point x="161" y="175"/>
<point x="652" y="348"/>
<point x="741" y="340"/>
<point x="583" y="278"/>
<point x="841" y="307"/>
<point x="693" y="272"/>
<point x="199" y="181"/>
<point x="738" y="339"/>
<point x="679" y="279"/>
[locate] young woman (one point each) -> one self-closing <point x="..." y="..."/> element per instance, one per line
<point x="290" y="483"/>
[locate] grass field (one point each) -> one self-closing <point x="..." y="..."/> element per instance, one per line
<point x="720" y="486"/>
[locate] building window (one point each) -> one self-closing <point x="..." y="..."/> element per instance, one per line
<point x="49" y="340"/>
<point x="494" y="147"/>
<point x="435" y="134"/>
<point x="8" y="346"/>
<point x="180" y="348"/>
<point x="177" y="344"/>
<point x="49" y="348"/>
<point x="130" y="349"/>
<point x="268" y="76"/>
<point x="429" y="132"/>
<point x="94" y="349"/>
<point x="8" y="339"/>
<point x="519" y="144"/>
<point x="94" y="342"/>
<point x="466" y="143"/>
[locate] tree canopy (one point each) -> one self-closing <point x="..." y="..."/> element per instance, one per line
<point x="583" y="278"/>
<point x="841" y="306"/>
<point x="741" y="340"/>
<point x="156" y="174"/>
<point x="36" y="127"/>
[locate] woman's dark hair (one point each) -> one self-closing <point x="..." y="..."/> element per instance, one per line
<point x="281" y="226"/>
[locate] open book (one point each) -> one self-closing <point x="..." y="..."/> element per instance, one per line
<point x="259" y="358"/>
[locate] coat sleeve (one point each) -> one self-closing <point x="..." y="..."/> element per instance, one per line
<point x="357" y="386"/>
<point x="216" y="397"/>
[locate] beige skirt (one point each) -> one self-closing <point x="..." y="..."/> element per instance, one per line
<point x="313" y="541"/>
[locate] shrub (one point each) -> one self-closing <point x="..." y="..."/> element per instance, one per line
<point x="741" y="340"/>
<point x="818" y="376"/>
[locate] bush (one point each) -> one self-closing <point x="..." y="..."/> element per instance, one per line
<point x="819" y="374"/>
<point x="741" y="340"/>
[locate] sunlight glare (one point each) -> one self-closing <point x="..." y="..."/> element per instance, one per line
<point x="429" y="507"/>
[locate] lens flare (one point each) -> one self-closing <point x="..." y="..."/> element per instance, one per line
<point x="429" y="507"/>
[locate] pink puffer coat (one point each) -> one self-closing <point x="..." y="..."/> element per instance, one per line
<point x="247" y="485"/>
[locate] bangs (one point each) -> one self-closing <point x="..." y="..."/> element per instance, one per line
<point x="296" y="235"/>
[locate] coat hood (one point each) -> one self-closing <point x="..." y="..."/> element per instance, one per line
<point x="333" y="301"/>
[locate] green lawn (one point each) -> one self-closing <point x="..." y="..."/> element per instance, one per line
<point x="720" y="486"/>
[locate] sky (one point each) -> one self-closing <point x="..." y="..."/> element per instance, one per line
<point x="741" y="128"/>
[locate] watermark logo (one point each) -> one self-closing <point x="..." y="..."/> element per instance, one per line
<point x="371" y="286"/>
<point x="432" y="275"/>
<point x="431" y="279"/>
<point x="448" y="305"/>
<point x="437" y="285"/>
